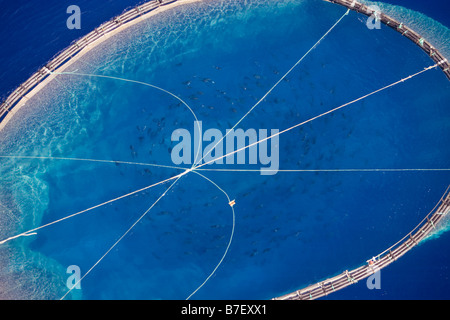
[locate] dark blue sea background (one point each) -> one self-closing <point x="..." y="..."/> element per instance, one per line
<point x="292" y="229"/>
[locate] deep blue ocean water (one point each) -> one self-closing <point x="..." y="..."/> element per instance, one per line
<point x="291" y="229"/>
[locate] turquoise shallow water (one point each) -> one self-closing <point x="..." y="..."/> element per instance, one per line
<point x="291" y="228"/>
